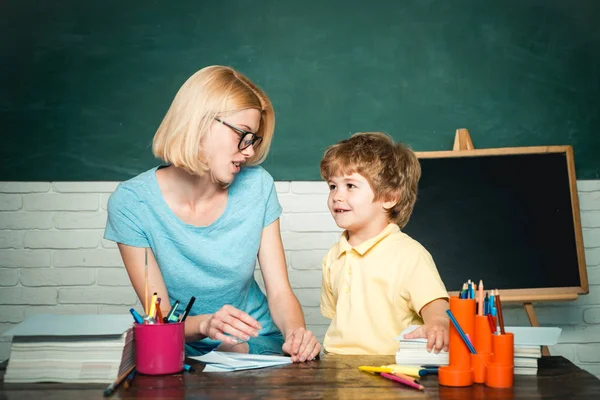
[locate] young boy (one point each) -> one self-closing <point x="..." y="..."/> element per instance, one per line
<point x="377" y="280"/>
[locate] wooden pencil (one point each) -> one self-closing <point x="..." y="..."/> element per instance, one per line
<point x="499" y="307"/>
<point x="111" y="388"/>
<point x="146" y="282"/>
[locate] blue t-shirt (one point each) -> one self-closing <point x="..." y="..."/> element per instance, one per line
<point x="214" y="263"/>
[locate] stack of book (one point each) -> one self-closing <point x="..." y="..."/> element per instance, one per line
<point x="526" y="359"/>
<point x="528" y="342"/>
<point x="71" y="348"/>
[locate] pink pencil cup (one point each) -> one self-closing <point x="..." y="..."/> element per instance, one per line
<point x="159" y="348"/>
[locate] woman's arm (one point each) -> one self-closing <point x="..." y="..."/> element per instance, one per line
<point x="283" y="304"/>
<point x="228" y="319"/>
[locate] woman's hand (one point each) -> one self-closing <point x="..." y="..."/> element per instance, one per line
<point x="229" y="325"/>
<point x="301" y="345"/>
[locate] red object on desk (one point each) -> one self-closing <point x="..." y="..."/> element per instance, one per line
<point x="405" y="382"/>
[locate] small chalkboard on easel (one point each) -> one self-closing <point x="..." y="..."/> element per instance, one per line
<point x="509" y="216"/>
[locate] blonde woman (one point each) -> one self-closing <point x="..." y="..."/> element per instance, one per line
<point x="206" y="215"/>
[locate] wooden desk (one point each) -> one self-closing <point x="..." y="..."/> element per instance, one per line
<point x="331" y="378"/>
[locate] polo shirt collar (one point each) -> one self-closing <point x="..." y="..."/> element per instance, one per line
<point x="344" y="246"/>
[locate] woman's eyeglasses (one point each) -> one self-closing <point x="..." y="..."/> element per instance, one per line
<point x="247" y="139"/>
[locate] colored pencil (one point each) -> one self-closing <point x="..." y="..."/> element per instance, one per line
<point x="461" y="332"/>
<point x="492" y="323"/>
<point x="463" y="292"/>
<point x="402" y="381"/>
<point x="499" y="307"/>
<point x="146" y="282"/>
<point x="480" y="297"/>
<point x="129" y="379"/>
<point x="111" y="388"/>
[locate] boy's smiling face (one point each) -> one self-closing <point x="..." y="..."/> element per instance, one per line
<point x="351" y="203"/>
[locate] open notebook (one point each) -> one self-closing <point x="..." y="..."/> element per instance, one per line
<point x="70" y="348"/>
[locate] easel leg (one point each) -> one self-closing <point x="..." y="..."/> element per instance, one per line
<point x="533" y="321"/>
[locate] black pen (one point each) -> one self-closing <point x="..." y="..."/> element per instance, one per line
<point x="185" y="312"/>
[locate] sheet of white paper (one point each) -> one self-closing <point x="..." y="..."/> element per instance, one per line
<point x="72" y="325"/>
<point x="226" y="362"/>
<point x="530" y="335"/>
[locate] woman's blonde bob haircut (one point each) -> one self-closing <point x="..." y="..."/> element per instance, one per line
<point x="212" y="92"/>
<point x="392" y="169"/>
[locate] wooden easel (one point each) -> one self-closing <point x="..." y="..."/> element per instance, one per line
<point x="462" y="142"/>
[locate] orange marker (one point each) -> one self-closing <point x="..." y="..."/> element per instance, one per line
<point x="159" y="319"/>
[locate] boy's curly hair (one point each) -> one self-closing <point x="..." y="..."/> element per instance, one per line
<point x="392" y="169"/>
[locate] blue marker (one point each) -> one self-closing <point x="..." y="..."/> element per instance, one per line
<point x="189" y="368"/>
<point x="137" y="317"/>
<point x="492" y="305"/>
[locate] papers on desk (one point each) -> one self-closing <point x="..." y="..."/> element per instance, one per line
<point x="218" y="361"/>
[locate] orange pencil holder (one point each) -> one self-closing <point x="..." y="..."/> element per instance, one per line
<point x="459" y="371"/>
<point x="483" y="346"/>
<point x="500" y="372"/>
<point x="483" y="334"/>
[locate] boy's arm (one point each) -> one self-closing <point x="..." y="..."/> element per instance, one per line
<point x="428" y="297"/>
<point x="435" y="326"/>
<point x="327" y="300"/>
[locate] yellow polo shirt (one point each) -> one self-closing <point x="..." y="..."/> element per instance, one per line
<point x="373" y="291"/>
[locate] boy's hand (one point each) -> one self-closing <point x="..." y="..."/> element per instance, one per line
<point x="301" y="345"/>
<point x="436" y="326"/>
<point x="436" y="331"/>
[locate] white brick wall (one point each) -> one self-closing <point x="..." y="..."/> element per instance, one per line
<point x="53" y="259"/>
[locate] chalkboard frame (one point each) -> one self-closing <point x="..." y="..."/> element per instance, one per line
<point x="536" y="294"/>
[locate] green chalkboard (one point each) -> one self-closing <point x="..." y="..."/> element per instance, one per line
<point x="85" y="84"/>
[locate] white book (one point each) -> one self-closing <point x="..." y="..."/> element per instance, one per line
<point x="526" y="362"/>
<point x="525" y="371"/>
<point x="70" y="348"/>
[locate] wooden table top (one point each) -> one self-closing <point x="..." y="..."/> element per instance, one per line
<point x="332" y="377"/>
